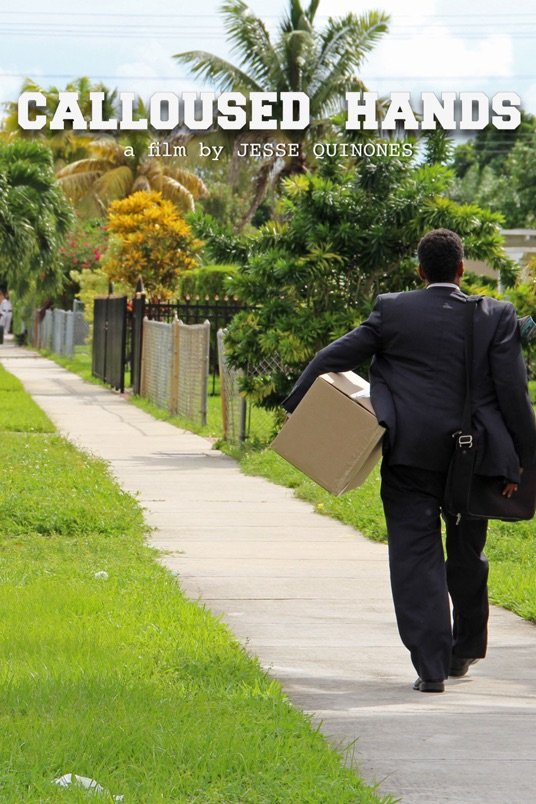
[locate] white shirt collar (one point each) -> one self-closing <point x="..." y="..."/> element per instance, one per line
<point x="443" y="285"/>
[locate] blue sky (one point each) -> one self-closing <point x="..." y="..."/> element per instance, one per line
<point x="436" y="45"/>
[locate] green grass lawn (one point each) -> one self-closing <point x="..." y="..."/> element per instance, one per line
<point x="122" y="679"/>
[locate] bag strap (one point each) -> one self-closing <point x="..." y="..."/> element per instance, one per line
<point x="469" y="320"/>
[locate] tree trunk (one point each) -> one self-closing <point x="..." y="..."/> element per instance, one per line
<point x="295" y="164"/>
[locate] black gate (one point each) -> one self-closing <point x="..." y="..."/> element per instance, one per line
<point x="110" y="340"/>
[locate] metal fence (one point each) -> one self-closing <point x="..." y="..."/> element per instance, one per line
<point x="110" y="336"/>
<point x="175" y="367"/>
<point x="60" y="331"/>
<point x="233" y="403"/>
<point x="218" y="311"/>
<point x="156" y="363"/>
<point x="190" y="399"/>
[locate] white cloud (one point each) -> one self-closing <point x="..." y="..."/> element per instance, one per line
<point x="10" y="86"/>
<point x="155" y="62"/>
<point x="410" y="11"/>
<point x="528" y="98"/>
<point x="436" y="57"/>
<point x="420" y="43"/>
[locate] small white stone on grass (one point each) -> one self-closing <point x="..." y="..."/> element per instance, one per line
<point x="102" y="575"/>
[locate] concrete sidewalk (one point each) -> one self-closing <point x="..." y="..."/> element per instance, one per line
<point x="310" y="597"/>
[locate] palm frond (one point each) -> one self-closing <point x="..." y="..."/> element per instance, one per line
<point x="251" y="41"/>
<point x="152" y="168"/>
<point x="110" y="149"/>
<point x="142" y="183"/>
<point x="311" y="11"/>
<point x="177" y="193"/>
<point x="297" y="48"/>
<point x="193" y="183"/>
<point x="85" y="166"/>
<point x="323" y="105"/>
<point x="296" y="20"/>
<point x="116" y="183"/>
<point x="72" y="140"/>
<point x="345" y="42"/>
<point x="76" y="185"/>
<point x="217" y="71"/>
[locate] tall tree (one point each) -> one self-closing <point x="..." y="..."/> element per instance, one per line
<point x="34" y="218"/>
<point x="93" y="172"/>
<point x="341" y="236"/>
<point x="66" y="145"/>
<point x="492" y="147"/>
<point x="500" y="173"/>
<point x="322" y="63"/>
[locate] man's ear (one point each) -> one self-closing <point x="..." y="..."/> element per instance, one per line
<point x="422" y="274"/>
<point x="461" y="269"/>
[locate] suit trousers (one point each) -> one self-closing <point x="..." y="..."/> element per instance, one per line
<point x="421" y="579"/>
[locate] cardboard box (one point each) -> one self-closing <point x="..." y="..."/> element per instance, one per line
<point x="333" y="436"/>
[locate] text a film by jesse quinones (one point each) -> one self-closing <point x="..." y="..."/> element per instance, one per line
<point x="268" y="150"/>
<point x="464" y="111"/>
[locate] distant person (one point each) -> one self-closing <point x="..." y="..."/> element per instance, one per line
<point x="416" y="342"/>
<point x="6" y="314"/>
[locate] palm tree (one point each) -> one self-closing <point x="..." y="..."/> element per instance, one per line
<point x="34" y="218"/>
<point x="97" y="172"/>
<point x="118" y="169"/>
<point x="321" y="63"/>
<point x="66" y="145"/>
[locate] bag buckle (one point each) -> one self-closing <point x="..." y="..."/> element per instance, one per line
<point x="465" y="441"/>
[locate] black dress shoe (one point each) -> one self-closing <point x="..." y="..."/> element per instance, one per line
<point x="459" y="667"/>
<point x="429" y="686"/>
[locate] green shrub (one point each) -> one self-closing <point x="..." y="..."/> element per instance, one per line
<point x="340" y="237"/>
<point x="207" y="280"/>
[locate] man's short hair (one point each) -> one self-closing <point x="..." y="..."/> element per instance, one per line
<point x="440" y="252"/>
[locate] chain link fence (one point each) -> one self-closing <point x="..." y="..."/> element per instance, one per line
<point x="190" y="385"/>
<point x="175" y="367"/>
<point x="60" y="331"/>
<point x="232" y="402"/>
<point x="156" y="363"/>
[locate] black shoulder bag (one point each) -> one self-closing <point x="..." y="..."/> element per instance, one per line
<point x="468" y="494"/>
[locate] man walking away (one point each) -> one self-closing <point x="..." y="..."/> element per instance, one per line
<point x="417" y="374"/>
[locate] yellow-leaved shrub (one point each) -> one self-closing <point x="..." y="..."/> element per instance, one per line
<point x="149" y="238"/>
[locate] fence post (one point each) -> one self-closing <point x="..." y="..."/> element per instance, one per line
<point x="232" y="402"/>
<point x="57" y="331"/>
<point x="205" y="362"/>
<point x="138" y="315"/>
<point x="142" y="377"/>
<point x="69" y="334"/>
<point x="174" y="367"/>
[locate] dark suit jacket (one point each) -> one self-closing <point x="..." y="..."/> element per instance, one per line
<point x="416" y="340"/>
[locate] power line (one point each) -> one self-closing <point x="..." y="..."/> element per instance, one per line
<point x="398" y="77"/>
<point x="502" y="15"/>
<point x="122" y="24"/>
<point x="220" y="36"/>
<point x="515" y="27"/>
